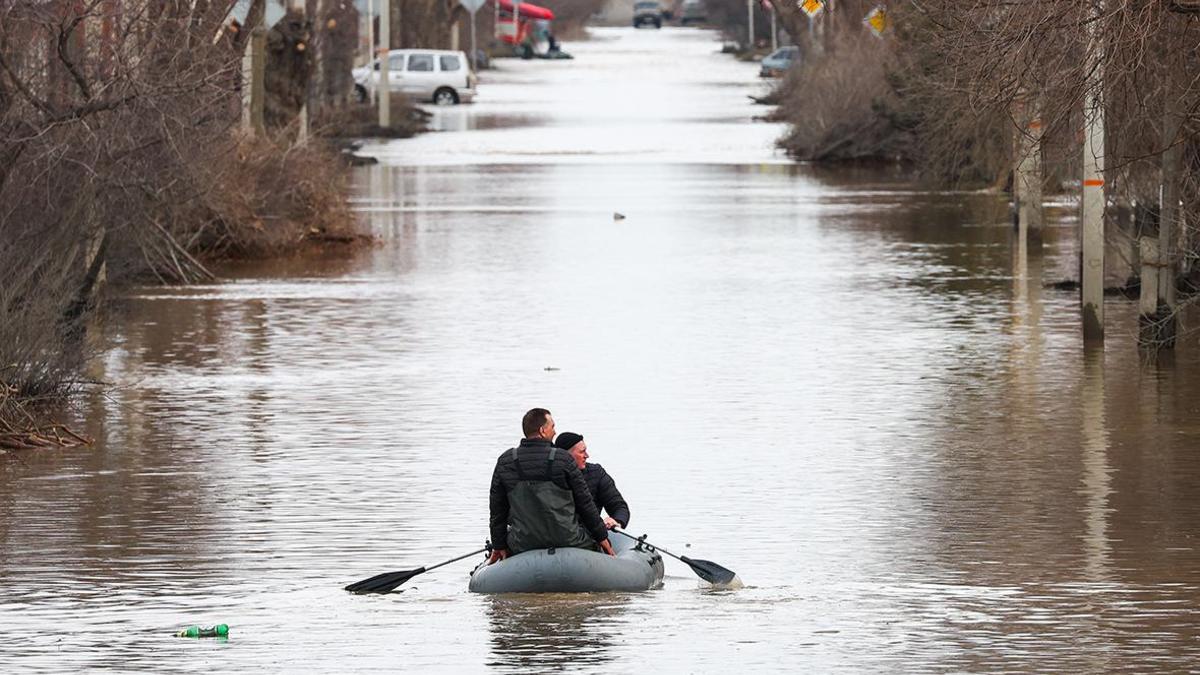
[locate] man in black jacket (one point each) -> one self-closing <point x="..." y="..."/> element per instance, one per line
<point x="538" y="497"/>
<point x="600" y="484"/>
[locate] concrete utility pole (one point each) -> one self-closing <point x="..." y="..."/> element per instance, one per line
<point x="1157" y="321"/>
<point x="1091" y="223"/>
<point x="385" y="45"/>
<point x="774" y="31"/>
<point x="254" y="88"/>
<point x="750" y="21"/>
<point x="1027" y="183"/>
<point x="1168" y="224"/>
<point x="474" y="49"/>
<point x="312" y="14"/>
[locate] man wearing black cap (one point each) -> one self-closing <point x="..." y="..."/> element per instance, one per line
<point x="600" y="484"/>
<point x="538" y="497"/>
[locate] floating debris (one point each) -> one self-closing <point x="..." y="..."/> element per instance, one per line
<point x="218" y="631"/>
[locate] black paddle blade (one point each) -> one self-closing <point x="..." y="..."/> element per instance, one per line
<point x="383" y="583"/>
<point x="710" y="571"/>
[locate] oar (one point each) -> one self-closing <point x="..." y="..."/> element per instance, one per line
<point x="705" y="569"/>
<point x="388" y="581"/>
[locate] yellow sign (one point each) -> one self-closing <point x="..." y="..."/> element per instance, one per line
<point x="811" y="7"/>
<point x="877" y="20"/>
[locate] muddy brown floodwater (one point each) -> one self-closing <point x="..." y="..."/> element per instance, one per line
<point x="847" y="389"/>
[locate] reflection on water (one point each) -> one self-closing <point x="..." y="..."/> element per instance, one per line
<point x="536" y="633"/>
<point x="855" y="392"/>
<point x="1096" y="480"/>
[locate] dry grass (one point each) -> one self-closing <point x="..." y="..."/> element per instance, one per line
<point x="841" y="106"/>
<point x="270" y="202"/>
<point x="362" y="120"/>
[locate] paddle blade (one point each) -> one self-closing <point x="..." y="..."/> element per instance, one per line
<point x="383" y="583"/>
<point x="710" y="571"/>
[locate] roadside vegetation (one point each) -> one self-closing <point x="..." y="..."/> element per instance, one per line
<point x="123" y="158"/>
<point x="975" y="94"/>
<point x="732" y="20"/>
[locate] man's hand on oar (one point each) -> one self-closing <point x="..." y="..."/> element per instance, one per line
<point x="388" y="581"/>
<point x="705" y="569"/>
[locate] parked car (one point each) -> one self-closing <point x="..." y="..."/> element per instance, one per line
<point x="443" y="77"/>
<point x="647" y="11"/>
<point x="693" y="11"/>
<point x="778" y="62"/>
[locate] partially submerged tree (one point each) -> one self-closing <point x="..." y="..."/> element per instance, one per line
<point x="119" y="157"/>
<point x="981" y="86"/>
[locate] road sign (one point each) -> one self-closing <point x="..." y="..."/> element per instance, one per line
<point x="811" y="7"/>
<point x="877" y="20"/>
<point x="472" y="6"/>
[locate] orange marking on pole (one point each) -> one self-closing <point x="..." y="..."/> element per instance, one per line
<point x="1094" y="182"/>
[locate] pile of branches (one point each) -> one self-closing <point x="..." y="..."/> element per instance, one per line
<point x="20" y="429"/>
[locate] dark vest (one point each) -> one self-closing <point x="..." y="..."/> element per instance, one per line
<point x="542" y="514"/>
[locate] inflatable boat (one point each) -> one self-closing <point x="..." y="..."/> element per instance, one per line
<point x="636" y="567"/>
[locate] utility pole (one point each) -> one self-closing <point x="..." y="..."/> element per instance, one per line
<point x="1027" y="183"/>
<point x="372" y="52"/>
<point x="312" y="14"/>
<point x="774" y="31"/>
<point x="1091" y="223"/>
<point x="385" y="59"/>
<point x="474" y="49"/>
<point x="254" y="76"/>
<point x="1157" y="321"/>
<point x="750" y="22"/>
<point x="1168" y="222"/>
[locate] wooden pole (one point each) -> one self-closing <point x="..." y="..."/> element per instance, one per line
<point x="385" y="45"/>
<point x="1092" y="202"/>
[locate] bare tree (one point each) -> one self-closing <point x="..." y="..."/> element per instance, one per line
<point x="120" y="157"/>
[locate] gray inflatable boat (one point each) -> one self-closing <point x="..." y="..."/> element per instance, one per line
<point x="636" y="567"/>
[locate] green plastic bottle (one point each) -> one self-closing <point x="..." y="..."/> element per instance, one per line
<point x="219" y="630"/>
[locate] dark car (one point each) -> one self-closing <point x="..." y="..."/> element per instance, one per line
<point x="647" y="12"/>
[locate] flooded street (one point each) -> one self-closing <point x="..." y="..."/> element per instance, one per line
<point x="849" y="390"/>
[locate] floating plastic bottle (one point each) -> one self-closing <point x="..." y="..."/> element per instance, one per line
<point x="219" y="630"/>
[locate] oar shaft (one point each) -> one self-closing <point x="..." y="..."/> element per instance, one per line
<point x="656" y="548"/>
<point x="454" y="560"/>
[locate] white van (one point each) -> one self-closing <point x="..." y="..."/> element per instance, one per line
<point x="441" y="76"/>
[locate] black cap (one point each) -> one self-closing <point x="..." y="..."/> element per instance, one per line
<point x="567" y="440"/>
